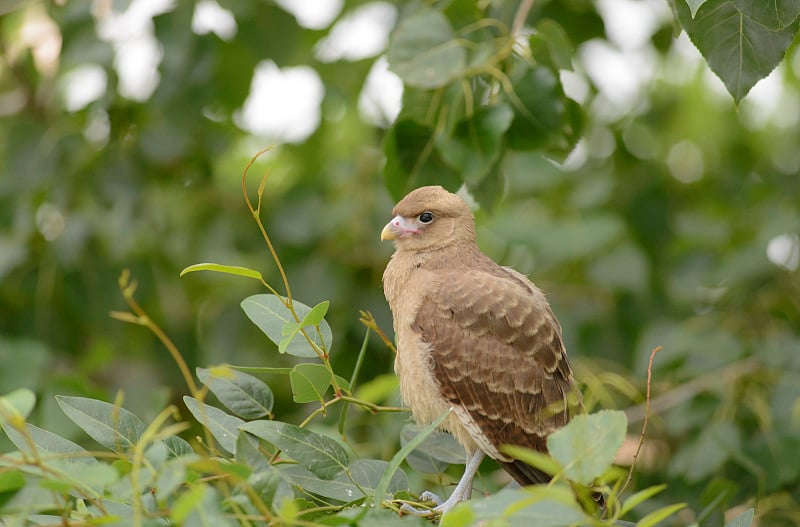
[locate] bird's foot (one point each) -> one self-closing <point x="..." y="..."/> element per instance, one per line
<point x="425" y="496"/>
<point x="463" y="491"/>
<point x="430" y="496"/>
<point x="441" y="507"/>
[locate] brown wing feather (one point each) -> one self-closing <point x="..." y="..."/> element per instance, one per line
<point x="498" y="354"/>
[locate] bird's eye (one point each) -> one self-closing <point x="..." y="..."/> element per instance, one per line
<point x="426" y="217"/>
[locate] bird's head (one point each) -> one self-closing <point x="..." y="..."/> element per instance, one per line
<point x="430" y="217"/>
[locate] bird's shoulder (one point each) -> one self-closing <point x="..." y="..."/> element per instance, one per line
<point x="487" y="293"/>
<point x="495" y="312"/>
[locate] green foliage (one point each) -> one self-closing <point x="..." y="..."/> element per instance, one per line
<point x="742" y="41"/>
<point x="588" y="446"/>
<point x="651" y="208"/>
<point x="273" y="316"/>
<point x="248" y="469"/>
<point x="472" y="97"/>
<point x="278" y="472"/>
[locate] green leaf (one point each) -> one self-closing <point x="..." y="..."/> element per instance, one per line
<point x="389" y="518"/>
<point x="356" y="482"/>
<point x="31" y="498"/>
<point x="248" y="453"/>
<point x="11" y="480"/>
<point x="526" y="507"/>
<point x="65" y="464"/>
<point x="322" y="455"/>
<point x="110" y="425"/>
<point x="474" y="146"/>
<point x="639" y="497"/>
<point x="383" y="485"/>
<point x="94" y="476"/>
<point x="773" y="14"/>
<point x="16" y="406"/>
<point x="271" y="486"/>
<point x="737" y="48"/>
<point x="201" y="506"/>
<point x="219" y="268"/>
<point x="379" y="388"/>
<point x="242" y="394"/>
<point x="460" y="515"/>
<point x="120" y="511"/>
<point x="47" y="444"/>
<point x="224" y="427"/>
<point x="269" y="313"/>
<point x="173" y="475"/>
<point x="538" y="460"/>
<point x="309" y="482"/>
<point x="316" y="314"/>
<point x="745" y="519"/>
<point x="262" y="371"/>
<point x="437" y="450"/>
<point x="550" y="45"/>
<point x="694" y="5"/>
<point x="412" y="161"/>
<point x="177" y="447"/>
<point x="659" y="515"/>
<point x="423" y="50"/>
<point x="367" y="474"/>
<point x="538" y="104"/>
<point x="309" y="382"/>
<point x="312" y="318"/>
<point x="156" y="454"/>
<point x="586" y="446"/>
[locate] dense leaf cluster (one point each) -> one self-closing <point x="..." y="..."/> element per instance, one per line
<point x="250" y="470"/>
<point x="650" y="209"/>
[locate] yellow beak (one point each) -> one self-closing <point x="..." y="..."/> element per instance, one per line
<point x="388" y="232"/>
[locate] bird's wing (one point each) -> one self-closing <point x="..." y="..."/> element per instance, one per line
<point x="498" y="357"/>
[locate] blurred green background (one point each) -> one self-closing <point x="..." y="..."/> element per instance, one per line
<point x="675" y="221"/>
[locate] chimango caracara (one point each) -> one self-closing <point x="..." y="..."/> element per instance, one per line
<point x="472" y="336"/>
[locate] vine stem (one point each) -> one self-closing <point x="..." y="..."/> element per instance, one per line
<point x="646" y="420"/>
<point x="256" y="213"/>
<point x="520" y="16"/>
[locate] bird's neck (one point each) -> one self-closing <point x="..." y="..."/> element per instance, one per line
<point x="441" y="255"/>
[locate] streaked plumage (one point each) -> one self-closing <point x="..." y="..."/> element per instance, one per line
<point x="472" y="335"/>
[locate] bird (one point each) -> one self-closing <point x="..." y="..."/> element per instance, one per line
<point x="473" y="338"/>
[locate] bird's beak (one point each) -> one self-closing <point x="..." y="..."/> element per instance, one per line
<point x="388" y="232"/>
<point x="397" y="228"/>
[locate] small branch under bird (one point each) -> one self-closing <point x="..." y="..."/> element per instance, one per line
<point x="472" y="336"/>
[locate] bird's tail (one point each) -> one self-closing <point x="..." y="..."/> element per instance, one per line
<point x="523" y="473"/>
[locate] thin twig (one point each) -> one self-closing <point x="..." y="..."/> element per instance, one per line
<point x="643" y="433"/>
<point x="369" y="322"/>
<point x="128" y="287"/>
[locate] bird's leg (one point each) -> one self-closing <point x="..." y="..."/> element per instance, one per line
<point x="463" y="490"/>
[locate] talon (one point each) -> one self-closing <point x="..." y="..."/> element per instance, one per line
<point x="417" y="512"/>
<point x="425" y="496"/>
<point x="430" y="496"/>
